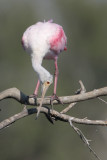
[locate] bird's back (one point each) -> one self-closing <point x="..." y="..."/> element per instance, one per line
<point x="44" y="38"/>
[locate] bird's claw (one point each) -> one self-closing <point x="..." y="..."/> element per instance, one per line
<point x="55" y="97"/>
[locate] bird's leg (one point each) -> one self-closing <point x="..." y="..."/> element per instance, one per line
<point x="54" y="96"/>
<point x="34" y="95"/>
<point x="56" y="76"/>
<point x="37" y="87"/>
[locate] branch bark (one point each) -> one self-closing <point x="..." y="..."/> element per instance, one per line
<point x="53" y="115"/>
<point x="24" y="99"/>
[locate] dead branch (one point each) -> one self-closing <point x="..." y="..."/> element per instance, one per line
<point x="83" y="138"/>
<point x="81" y="95"/>
<point x="22" y="98"/>
<point x="53" y="113"/>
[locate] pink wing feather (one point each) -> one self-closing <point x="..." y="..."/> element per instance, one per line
<point x="58" y="41"/>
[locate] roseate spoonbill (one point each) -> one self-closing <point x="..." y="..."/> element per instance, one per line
<point x="44" y="40"/>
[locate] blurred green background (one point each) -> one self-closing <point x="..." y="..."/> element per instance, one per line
<point x="85" y="24"/>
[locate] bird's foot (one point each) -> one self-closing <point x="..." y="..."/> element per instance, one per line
<point x="33" y="96"/>
<point x="55" y="97"/>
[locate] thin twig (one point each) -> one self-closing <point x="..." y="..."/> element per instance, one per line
<point x="83" y="138"/>
<point x="102" y="100"/>
<point x="79" y="91"/>
<point x="68" y="108"/>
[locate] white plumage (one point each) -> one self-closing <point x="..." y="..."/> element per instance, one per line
<point x="44" y="40"/>
<point x="37" y="41"/>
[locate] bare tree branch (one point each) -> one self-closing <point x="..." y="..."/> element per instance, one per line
<point x="53" y="113"/>
<point x="22" y="98"/>
<point x="81" y="95"/>
<point x="83" y="138"/>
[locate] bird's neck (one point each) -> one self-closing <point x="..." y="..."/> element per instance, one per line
<point x="41" y="71"/>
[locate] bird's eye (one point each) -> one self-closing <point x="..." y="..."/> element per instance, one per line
<point x="48" y="82"/>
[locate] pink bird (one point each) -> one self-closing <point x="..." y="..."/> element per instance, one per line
<point x="44" y="40"/>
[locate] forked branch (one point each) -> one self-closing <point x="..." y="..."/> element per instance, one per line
<point x="53" y="115"/>
<point x="81" y="95"/>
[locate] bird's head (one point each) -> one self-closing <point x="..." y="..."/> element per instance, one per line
<point x="44" y="88"/>
<point x="45" y="85"/>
